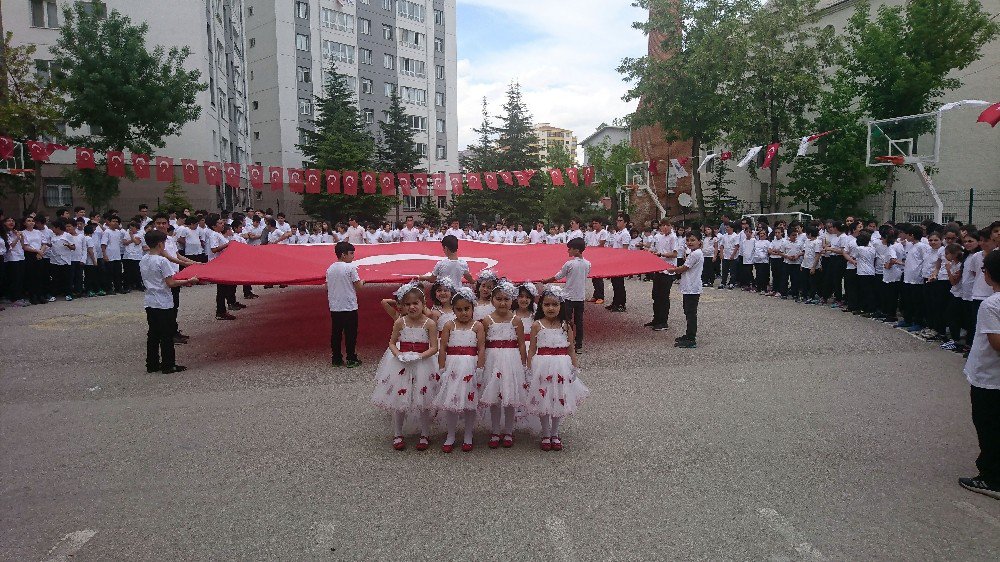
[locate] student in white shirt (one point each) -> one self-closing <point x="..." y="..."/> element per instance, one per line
<point x="255" y="232"/>
<point x="372" y="236"/>
<point x="111" y="247"/>
<point x="863" y="255"/>
<point x="709" y="248"/>
<point x="745" y="241"/>
<point x="92" y="266"/>
<point x="690" y="287"/>
<point x="619" y="239"/>
<point x="409" y="233"/>
<point x="575" y="272"/>
<point x="761" y="245"/>
<point x="456" y="231"/>
<point x="61" y="262"/>
<point x="574" y="230"/>
<point x="664" y="246"/>
<point x="79" y="259"/>
<point x="217" y="243"/>
<point x="342" y="284"/>
<point x="355" y="233"/>
<point x="913" y="280"/>
<point x="157" y="276"/>
<point x="729" y="247"/>
<point x="777" y="246"/>
<point x="537" y="234"/>
<point x="451" y="268"/>
<point x="131" y="254"/>
<point x="597" y="237"/>
<point x="793" y="259"/>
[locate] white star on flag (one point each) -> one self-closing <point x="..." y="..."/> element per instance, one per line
<point x="805" y="141"/>
<point x="751" y="154"/>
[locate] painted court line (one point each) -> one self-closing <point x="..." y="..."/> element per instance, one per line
<point x="788" y="532"/>
<point x="974" y="511"/>
<point x="561" y="541"/>
<point x="69" y="545"/>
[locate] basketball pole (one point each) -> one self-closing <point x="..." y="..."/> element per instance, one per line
<point x="925" y="178"/>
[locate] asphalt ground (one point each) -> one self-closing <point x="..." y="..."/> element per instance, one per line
<point x="792" y="432"/>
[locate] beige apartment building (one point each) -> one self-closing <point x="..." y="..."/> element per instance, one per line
<point x="550" y="135"/>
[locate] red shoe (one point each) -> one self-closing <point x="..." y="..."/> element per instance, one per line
<point x="546" y="444"/>
<point x="466" y="447"/>
<point x="447" y="448"/>
<point x="508" y="441"/>
<point x="556" y="444"/>
<point x="494" y="441"/>
<point x="423" y="443"/>
<point x="398" y="443"/>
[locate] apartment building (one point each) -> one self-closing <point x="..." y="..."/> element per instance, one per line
<point x="550" y="136"/>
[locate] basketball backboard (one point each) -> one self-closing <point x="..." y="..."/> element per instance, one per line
<point x="915" y="138"/>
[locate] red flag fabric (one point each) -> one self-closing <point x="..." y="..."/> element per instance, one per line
<point x="277" y="177"/>
<point x="296" y="183"/>
<point x="164" y="168"/>
<point x="491" y="180"/>
<point x="332" y="182"/>
<point x="256" y="174"/>
<point x="6" y="147"/>
<point x="991" y="115"/>
<point x="726" y="155"/>
<point x="39" y="151"/>
<point x="684" y="160"/>
<point x="140" y="166"/>
<point x="475" y="182"/>
<point x="404" y="184"/>
<point x="588" y="176"/>
<point x="368" y="182"/>
<point x="54" y="146"/>
<point x="388" y="182"/>
<point x="654" y="168"/>
<point x="574" y="175"/>
<point x="439" y="186"/>
<point x="314" y="181"/>
<point x="293" y="264"/>
<point x="213" y="173"/>
<point x="456" y="183"/>
<point x="524" y="177"/>
<point x="772" y="151"/>
<point x="507" y="177"/>
<point x="116" y="163"/>
<point x="232" y="173"/>
<point x="420" y="180"/>
<point x="556" y="175"/>
<point x="350" y="179"/>
<point x="189" y="169"/>
<point x="85" y="158"/>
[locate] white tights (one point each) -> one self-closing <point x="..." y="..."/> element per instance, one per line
<point x="451" y="419"/>
<point x="399" y="417"/>
<point x="508" y="418"/>
<point x="550" y="426"/>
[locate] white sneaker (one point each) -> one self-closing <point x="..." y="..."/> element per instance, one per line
<point x="51" y="299"/>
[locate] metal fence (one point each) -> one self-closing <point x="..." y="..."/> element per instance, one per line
<point x="967" y="206"/>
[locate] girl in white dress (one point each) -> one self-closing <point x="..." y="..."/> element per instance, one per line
<point x="441" y="294"/>
<point x="525" y="309"/>
<point x="503" y="369"/>
<point x="460" y="362"/>
<point x="486" y="281"/>
<point x="407" y="379"/>
<point x="554" y="388"/>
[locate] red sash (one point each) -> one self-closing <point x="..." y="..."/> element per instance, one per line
<point x="462" y="350"/>
<point x="552" y="351"/>
<point x="417" y="346"/>
<point x="502" y="344"/>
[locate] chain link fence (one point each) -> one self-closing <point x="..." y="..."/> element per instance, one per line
<point x="970" y="206"/>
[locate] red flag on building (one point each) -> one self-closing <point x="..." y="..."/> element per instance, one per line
<point x="164" y="168"/>
<point x="574" y="175"/>
<point x="213" y="173"/>
<point x="727" y="155"/>
<point x="85" y="158"/>
<point x="388" y="183"/>
<point x="39" y="151"/>
<point x="332" y="181"/>
<point x="350" y="179"/>
<point x="404" y="183"/>
<point x="420" y="180"/>
<point x="439" y="186"/>
<point x="232" y="173"/>
<point x="491" y="180"/>
<point x="296" y="183"/>
<point x="772" y="151"/>
<point x="314" y="181"/>
<point x="524" y="177"/>
<point x="277" y="178"/>
<point x="189" y="170"/>
<point x="368" y="182"/>
<point x="588" y="176"/>
<point x="116" y="163"/>
<point x="140" y="166"/>
<point x="684" y="160"/>
<point x="507" y="177"/>
<point x="475" y="182"/>
<point x="6" y="147"/>
<point x="456" y="183"/>
<point x="990" y="115"/>
<point x="556" y="175"/>
<point x="256" y="174"/>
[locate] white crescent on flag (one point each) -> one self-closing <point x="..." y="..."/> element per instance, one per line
<point x="163" y="166"/>
<point x="116" y="159"/>
<point x="386" y="182"/>
<point x="189" y="167"/>
<point x="275" y="175"/>
<point x="254" y="173"/>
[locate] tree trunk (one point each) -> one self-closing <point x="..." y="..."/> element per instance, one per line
<point x="696" y="177"/>
<point x="36" y="197"/>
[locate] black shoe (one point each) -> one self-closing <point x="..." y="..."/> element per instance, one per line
<point x="337" y="362"/>
<point x="225" y="316"/>
<point x="174" y="369"/>
<point x="578" y="350"/>
<point x="237" y="306"/>
<point x="686" y="344"/>
<point x="660" y="327"/>
<point x="152" y="368"/>
<point x="649" y="324"/>
<point x="618" y="309"/>
<point x="179" y="338"/>
<point x="980" y="486"/>
<point x="352" y="363"/>
<point x="683" y="338"/>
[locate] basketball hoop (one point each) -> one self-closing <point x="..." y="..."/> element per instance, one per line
<point x="17" y="171"/>
<point x="891" y="160"/>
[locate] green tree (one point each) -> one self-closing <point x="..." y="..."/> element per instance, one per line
<point x="563" y="203"/>
<point x="431" y="213"/>
<point x="720" y="201"/>
<point x="131" y="97"/>
<point x="30" y="108"/>
<point x="341" y="142"/>
<point x="609" y="162"/>
<point x="395" y="149"/>
<point x="174" y="198"/>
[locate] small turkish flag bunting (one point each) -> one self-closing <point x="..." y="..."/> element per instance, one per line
<point x="116" y="163"/>
<point x="388" y="183"/>
<point x="276" y="177"/>
<point x="6" y="147"/>
<point x="38" y="150"/>
<point x="164" y="168"/>
<point x="991" y="115"/>
<point x="456" y="183"/>
<point x="314" y="181"/>
<point x="296" y="183"/>
<point x="85" y="158"/>
<point x="140" y="166"/>
<point x="804" y="142"/>
<point x="574" y="175"/>
<point x="189" y="169"/>
<point x="420" y="180"/>
<point x="350" y="179"/>
<point x="256" y="174"/>
<point x="332" y="181"/>
<point x="557" y="177"/>
<point x="404" y="183"/>
<point x="772" y="151"/>
<point x="232" y="172"/>
<point x="213" y="173"/>
<point x="439" y="186"/>
<point x="684" y="160"/>
<point x="475" y="182"/>
<point x="54" y="146"/>
<point x="507" y="177"/>
<point x="524" y="177"/>
<point x="368" y="182"/>
<point x="588" y="176"/>
<point x="491" y="180"/>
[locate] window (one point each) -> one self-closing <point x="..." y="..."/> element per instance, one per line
<point x="387" y="32"/>
<point x="365" y="2"/>
<point x="365" y="56"/>
<point x="388" y="61"/>
<point x="412" y="39"/>
<point x="222" y="98"/>
<point x="439" y="72"/>
<point x="439" y="99"/>
<point x="337" y="20"/>
<point x="413" y="202"/>
<point x="412" y="67"/>
<point x="302" y="10"/>
<point x="303" y="136"/>
<point x="58" y="193"/>
<point x="44" y="69"/>
<point x="440" y="126"/>
<point x="389" y="89"/>
<point x="364" y="26"/>
<point x="369" y="116"/>
<point x="350" y="82"/>
<point x="441" y="152"/>
<point x="304" y="74"/>
<point x="250" y="11"/>
<point x="256" y="135"/>
<point x="438" y="45"/>
<point x="442" y="201"/>
<point x="420" y="148"/>
<point x="254" y="104"/>
<point x="305" y="106"/>
<point x="338" y="51"/>
<point x="438" y="17"/>
<point x="411" y="10"/>
<point x="413" y="95"/>
<point x="44" y="13"/>
<point x="253" y="42"/>
<point x="417" y="122"/>
<point x="387" y="5"/>
<point x="367" y="86"/>
<point x="301" y="42"/>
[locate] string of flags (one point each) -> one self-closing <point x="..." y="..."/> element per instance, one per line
<point x="300" y="180"/>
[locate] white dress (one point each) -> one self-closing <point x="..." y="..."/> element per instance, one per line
<point x="403" y="386"/>
<point x="443" y="319"/>
<point x="458" y="386"/>
<point x="482" y="311"/>
<point x="526" y="323"/>
<point x="553" y="388"/>
<point x="503" y="372"/>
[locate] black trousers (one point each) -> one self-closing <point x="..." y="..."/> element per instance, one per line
<point x="598" y="288"/>
<point x="690" y="305"/>
<point x="761" y="279"/>
<point x="92" y="278"/>
<point x="867" y="292"/>
<point x="247" y="291"/>
<point x="728" y="272"/>
<point x="618" y="284"/>
<point x="986" y="418"/>
<point x="176" y="293"/>
<point x="910" y="301"/>
<point x="661" y="297"/>
<point x="200" y="258"/>
<point x="63" y="276"/>
<point x="890" y="298"/>
<point x="34" y="269"/>
<point x="160" y="338"/>
<point x="113" y="276"/>
<point x="575" y="309"/>
<point x="13" y="277"/>
<point x="708" y="271"/>
<point x="955" y="316"/>
<point x="937" y="299"/>
<point x="972" y="319"/>
<point x="851" y="289"/>
<point x="779" y="277"/>
<point x="77" y="268"/>
<point x="795" y="280"/>
<point x="224" y="294"/>
<point x="344" y="328"/>
<point x="833" y="276"/>
<point x="133" y="279"/>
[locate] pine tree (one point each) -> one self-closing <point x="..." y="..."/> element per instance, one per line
<point x="174" y="198"/>
<point x="341" y="142"/>
<point x="396" y="152"/>
<point x="720" y="201"/>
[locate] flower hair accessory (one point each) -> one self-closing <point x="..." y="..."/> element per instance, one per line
<point x="446" y="283"/>
<point x="530" y="287"/>
<point x="507" y="288"/>
<point x="464" y="293"/>
<point x="405" y="289"/>
<point x="556" y="291"/>
<point x="486" y="275"/>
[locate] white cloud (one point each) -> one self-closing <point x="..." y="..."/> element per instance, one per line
<point x="567" y="70"/>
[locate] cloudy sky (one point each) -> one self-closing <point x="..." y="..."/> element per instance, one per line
<point x="563" y="53"/>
